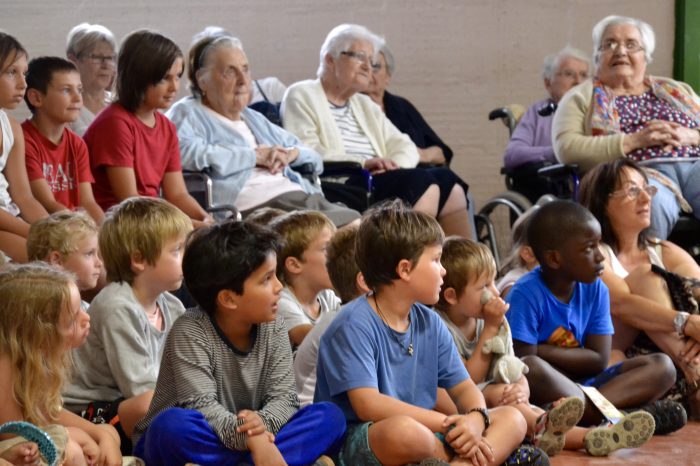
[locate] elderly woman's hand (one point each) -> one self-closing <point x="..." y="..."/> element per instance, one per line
<point x="377" y="165"/>
<point x="274" y="158"/>
<point x="654" y="133"/>
<point x="683" y="136"/>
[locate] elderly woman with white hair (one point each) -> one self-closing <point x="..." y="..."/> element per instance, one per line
<point x="625" y="112"/>
<point x="93" y="50"/>
<point x="250" y="161"/>
<point x="530" y="147"/>
<point x="331" y="115"/>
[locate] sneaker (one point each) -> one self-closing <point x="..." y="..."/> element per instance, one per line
<point x="324" y="461"/>
<point x="527" y="455"/>
<point x="631" y="431"/>
<point x="552" y="426"/>
<point x="669" y="416"/>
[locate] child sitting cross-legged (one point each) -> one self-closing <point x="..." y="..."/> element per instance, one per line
<point x="384" y="356"/>
<point x="68" y="240"/>
<point x="301" y="266"/>
<point x="142" y="243"/>
<point x="39" y="310"/>
<point x="561" y="326"/>
<point x="348" y="284"/>
<point x="57" y="159"/>
<point x="475" y="315"/>
<point x="225" y="393"/>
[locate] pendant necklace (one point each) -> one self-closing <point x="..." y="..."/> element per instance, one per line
<point x="408" y="350"/>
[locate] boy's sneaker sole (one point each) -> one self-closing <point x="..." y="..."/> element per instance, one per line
<point x="560" y="419"/>
<point x="631" y="431"/>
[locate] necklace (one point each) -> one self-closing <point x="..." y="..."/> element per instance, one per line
<point x="408" y="350"/>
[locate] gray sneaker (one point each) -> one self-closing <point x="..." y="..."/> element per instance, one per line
<point x="631" y="431"/>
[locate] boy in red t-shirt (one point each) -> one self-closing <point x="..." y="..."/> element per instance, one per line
<point x="56" y="158"/>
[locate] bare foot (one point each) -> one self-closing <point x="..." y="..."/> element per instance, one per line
<point x="24" y="453"/>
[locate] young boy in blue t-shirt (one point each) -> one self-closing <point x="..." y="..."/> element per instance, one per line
<point x="560" y="312"/>
<point x="384" y="356"/>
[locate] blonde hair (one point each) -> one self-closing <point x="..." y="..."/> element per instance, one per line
<point x="138" y="225"/>
<point x="297" y="230"/>
<point x="59" y="232"/>
<point x="33" y="297"/>
<point x="464" y="261"/>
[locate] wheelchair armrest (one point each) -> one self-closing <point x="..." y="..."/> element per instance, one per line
<point x="558" y="170"/>
<point x="235" y="214"/>
<point x="339" y="166"/>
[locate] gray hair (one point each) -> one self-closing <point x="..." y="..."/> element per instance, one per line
<point x="84" y="37"/>
<point x="202" y="49"/>
<point x="552" y="62"/>
<point x="645" y="31"/>
<point x="389" y="59"/>
<point x="341" y="38"/>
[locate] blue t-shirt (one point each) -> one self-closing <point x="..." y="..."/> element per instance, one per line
<point x="358" y="350"/>
<point x="537" y="316"/>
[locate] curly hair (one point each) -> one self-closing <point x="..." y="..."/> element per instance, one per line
<point x="34" y="299"/>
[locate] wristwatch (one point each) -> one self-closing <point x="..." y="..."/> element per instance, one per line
<point x="679" y="323"/>
<point x="484" y="413"/>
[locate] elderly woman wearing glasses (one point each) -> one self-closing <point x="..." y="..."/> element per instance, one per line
<point x="619" y="195"/>
<point x="624" y="112"/>
<point x="250" y="160"/>
<point x="331" y="115"/>
<point x="93" y="49"/>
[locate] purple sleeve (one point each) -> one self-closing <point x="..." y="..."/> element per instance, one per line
<point x="531" y="140"/>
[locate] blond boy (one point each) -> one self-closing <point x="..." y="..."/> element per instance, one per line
<point x="68" y="240"/>
<point x="301" y="267"/>
<point x="142" y="242"/>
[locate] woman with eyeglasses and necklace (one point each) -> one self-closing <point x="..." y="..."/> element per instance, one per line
<point x="93" y="50"/>
<point x="619" y="195"/>
<point x="625" y="112"/>
<point x="332" y="116"/>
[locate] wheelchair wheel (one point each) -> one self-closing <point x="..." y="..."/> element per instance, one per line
<point x="495" y="220"/>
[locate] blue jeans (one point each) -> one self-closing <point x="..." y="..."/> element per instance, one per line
<point x="178" y="436"/>
<point x="665" y="209"/>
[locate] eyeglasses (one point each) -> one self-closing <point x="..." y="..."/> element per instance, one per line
<point x="101" y="59"/>
<point x="359" y="57"/>
<point x="569" y="74"/>
<point x="634" y="191"/>
<point x="631" y="46"/>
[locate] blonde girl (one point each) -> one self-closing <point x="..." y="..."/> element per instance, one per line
<point x="18" y="208"/>
<point x="39" y="311"/>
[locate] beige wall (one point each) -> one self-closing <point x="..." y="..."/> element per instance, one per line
<point x="456" y="60"/>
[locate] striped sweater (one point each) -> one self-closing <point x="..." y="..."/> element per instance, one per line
<point x="202" y="370"/>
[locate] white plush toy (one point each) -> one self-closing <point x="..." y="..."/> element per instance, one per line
<point x="505" y="366"/>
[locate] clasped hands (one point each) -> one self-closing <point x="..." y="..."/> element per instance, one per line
<point x="275" y="158"/>
<point x="465" y="436"/>
<point x="667" y="134"/>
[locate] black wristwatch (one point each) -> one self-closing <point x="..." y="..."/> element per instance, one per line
<point x="484" y="413"/>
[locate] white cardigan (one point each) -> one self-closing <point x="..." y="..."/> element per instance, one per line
<point x="306" y="113"/>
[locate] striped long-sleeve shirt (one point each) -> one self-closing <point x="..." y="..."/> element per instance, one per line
<point x="202" y="370"/>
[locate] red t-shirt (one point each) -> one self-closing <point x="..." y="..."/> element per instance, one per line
<point x="63" y="166"/>
<point x="117" y="138"/>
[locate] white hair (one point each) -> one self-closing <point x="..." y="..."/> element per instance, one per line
<point x="553" y="62"/>
<point x="389" y="59"/>
<point x="84" y="37"/>
<point x="645" y="32"/>
<point x="340" y="39"/>
<point x="200" y="54"/>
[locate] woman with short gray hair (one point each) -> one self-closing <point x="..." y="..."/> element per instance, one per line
<point x="93" y="50"/>
<point x="251" y="161"/>
<point x="331" y="115"/>
<point x="626" y="113"/>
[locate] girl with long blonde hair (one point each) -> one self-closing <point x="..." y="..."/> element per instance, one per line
<point x="39" y="310"/>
